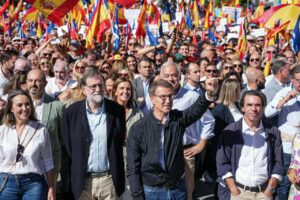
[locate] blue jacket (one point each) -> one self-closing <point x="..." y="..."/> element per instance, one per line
<point x="229" y="151"/>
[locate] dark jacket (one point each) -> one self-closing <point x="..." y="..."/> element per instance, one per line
<point x="143" y="148"/>
<point x="76" y="134"/>
<point x="230" y="147"/>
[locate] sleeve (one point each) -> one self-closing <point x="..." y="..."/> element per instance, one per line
<point x="224" y="154"/>
<point x="65" y="132"/>
<point x="46" y="153"/>
<point x="208" y="122"/>
<point x="134" y="157"/>
<point x="195" y="111"/>
<point x="295" y="161"/>
<point x="271" y="108"/>
<point x="278" y="166"/>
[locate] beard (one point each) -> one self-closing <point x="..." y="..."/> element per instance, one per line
<point x="36" y="92"/>
<point x="96" y="97"/>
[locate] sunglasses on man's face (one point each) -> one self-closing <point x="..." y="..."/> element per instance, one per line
<point x="20" y="150"/>
<point x="254" y="59"/>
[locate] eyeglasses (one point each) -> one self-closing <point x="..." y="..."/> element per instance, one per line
<point x="273" y="52"/>
<point x="94" y="87"/>
<point x="47" y="54"/>
<point x="260" y="40"/>
<point x="123" y="54"/>
<point x="254" y="59"/>
<point x="20" y="150"/>
<point x="228" y="67"/>
<point x="43" y="63"/>
<point x="79" y="67"/>
<point x="238" y="66"/>
<point x="159" y="51"/>
<point x="74" y="43"/>
<point x="131" y="44"/>
<point x="105" y="67"/>
<point x="165" y="97"/>
<point x="211" y="71"/>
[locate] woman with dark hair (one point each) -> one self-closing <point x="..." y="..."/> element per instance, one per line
<point x="25" y="152"/>
<point x="17" y="82"/>
<point x="122" y="94"/>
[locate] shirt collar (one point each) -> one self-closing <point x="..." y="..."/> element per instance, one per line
<point x="40" y="102"/>
<point x="101" y="109"/>
<point x="192" y="87"/>
<point x="246" y="128"/>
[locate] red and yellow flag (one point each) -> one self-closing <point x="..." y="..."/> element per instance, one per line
<point x="267" y="70"/>
<point x="237" y="4"/>
<point x="54" y="10"/>
<point x="259" y="10"/>
<point x="4" y="7"/>
<point x="196" y="15"/>
<point x="32" y="14"/>
<point x="153" y="14"/>
<point x="140" y="30"/>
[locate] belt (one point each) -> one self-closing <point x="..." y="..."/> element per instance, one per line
<point x="259" y="188"/>
<point x="98" y="174"/>
<point x="172" y="186"/>
<point x="188" y="146"/>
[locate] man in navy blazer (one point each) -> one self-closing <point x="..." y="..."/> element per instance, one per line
<point x="94" y="133"/>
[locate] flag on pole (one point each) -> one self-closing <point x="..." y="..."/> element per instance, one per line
<point x="140" y="30"/>
<point x="116" y="32"/>
<point x="296" y="37"/>
<point x="54" y="10"/>
<point x="32" y="14"/>
<point x="267" y="70"/>
<point x="4" y="7"/>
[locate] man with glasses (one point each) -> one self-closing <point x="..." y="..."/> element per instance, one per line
<point x="94" y="133"/>
<point x="290" y="56"/>
<point x="211" y="71"/>
<point x="286" y="105"/>
<point x="46" y="53"/>
<point x="261" y="41"/>
<point x="271" y="49"/>
<point x="73" y="54"/>
<point x="155" y="159"/>
<point x="255" y="60"/>
<point x="22" y="64"/>
<point x="90" y="57"/>
<point x="227" y="67"/>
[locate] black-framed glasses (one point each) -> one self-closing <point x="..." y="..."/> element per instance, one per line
<point x="228" y="67"/>
<point x="47" y="54"/>
<point x="20" y="150"/>
<point x="211" y="71"/>
<point x="273" y="52"/>
<point x="238" y="66"/>
<point x="254" y="59"/>
<point x="159" y="51"/>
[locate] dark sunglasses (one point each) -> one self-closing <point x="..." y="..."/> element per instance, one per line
<point x="74" y="43"/>
<point x="47" y="54"/>
<point x="273" y="52"/>
<point x="132" y="44"/>
<point x="20" y="150"/>
<point x="43" y="63"/>
<point x="238" y="66"/>
<point x="211" y="71"/>
<point x="260" y="40"/>
<point x="227" y="68"/>
<point x="254" y="59"/>
<point x="159" y="51"/>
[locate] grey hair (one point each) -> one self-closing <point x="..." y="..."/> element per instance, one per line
<point x="26" y="60"/>
<point x="279" y="65"/>
<point x="89" y="74"/>
<point x="60" y="60"/>
<point x="170" y="63"/>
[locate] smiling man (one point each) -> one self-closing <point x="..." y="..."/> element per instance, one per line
<point x="155" y="159"/>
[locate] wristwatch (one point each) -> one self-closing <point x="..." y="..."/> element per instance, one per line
<point x="272" y="190"/>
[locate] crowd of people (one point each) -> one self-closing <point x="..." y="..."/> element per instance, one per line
<point x="147" y="121"/>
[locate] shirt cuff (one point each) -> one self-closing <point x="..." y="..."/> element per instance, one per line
<point x="227" y="175"/>
<point x="209" y="99"/>
<point x="277" y="176"/>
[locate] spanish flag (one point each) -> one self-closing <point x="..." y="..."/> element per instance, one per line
<point x="32" y="14"/>
<point x="140" y="30"/>
<point x="54" y="10"/>
<point x="259" y="10"/>
<point x="237" y="4"/>
<point x="267" y="70"/>
<point x="153" y="14"/>
<point x="196" y="15"/>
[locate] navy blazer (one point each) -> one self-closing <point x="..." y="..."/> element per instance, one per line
<point x="230" y="147"/>
<point x="76" y="134"/>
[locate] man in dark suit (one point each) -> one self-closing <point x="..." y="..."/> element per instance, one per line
<point x="281" y="73"/>
<point x="94" y="132"/>
<point x="140" y="85"/>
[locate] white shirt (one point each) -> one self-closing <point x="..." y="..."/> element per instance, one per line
<point x="253" y="163"/>
<point x="236" y="113"/>
<point x="288" y="116"/>
<point x="52" y="87"/>
<point x="38" y="106"/>
<point x="3" y="79"/>
<point x="37" y="156"/>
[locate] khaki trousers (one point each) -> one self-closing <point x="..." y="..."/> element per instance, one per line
<point x="101" y="188"/>
<point x="189" y="175"/>
<point x="247" y="195"/>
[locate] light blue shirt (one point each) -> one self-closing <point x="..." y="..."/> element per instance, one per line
<point x="288" y="116"/>
<point x="98" y="158"/>
<point x="146" y="87"/>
